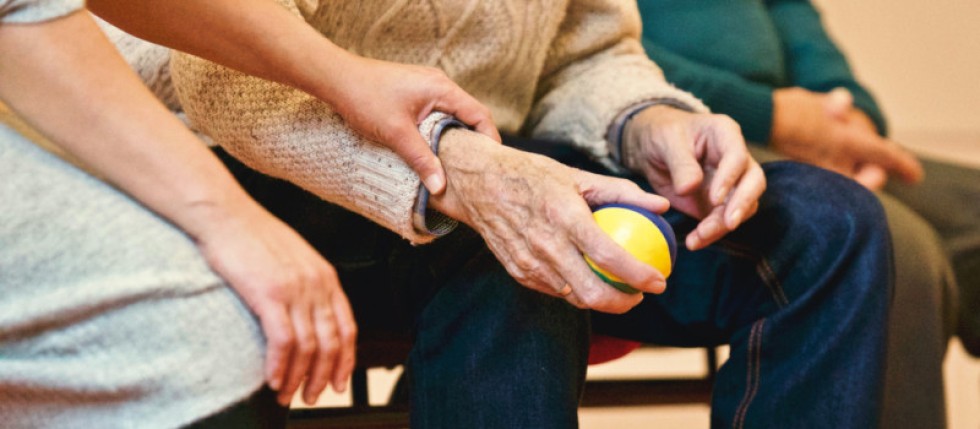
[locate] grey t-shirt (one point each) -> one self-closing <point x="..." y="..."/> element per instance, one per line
<point x="26" y="11"/>
<point x="109" y="316"/>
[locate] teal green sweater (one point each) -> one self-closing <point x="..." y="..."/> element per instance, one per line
<point x="733" y="53"/>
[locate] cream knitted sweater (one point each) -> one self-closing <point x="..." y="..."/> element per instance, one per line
<point x="555" y="69"/>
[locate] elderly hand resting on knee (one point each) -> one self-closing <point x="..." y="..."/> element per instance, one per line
<point x="534" y="212"/>
<point x="700" y="163"/>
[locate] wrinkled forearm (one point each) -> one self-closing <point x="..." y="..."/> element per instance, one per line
<point x="469" y="158"/>
<point x="489" y="185"/>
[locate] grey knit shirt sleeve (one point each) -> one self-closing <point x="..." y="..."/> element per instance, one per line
<point x="26" y="11"/>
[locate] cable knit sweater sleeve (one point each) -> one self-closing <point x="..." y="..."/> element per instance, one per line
<point x="286" y="133"/>
<point x="597" y="69"/>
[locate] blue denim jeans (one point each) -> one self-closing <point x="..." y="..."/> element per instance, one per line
<point x="801" y="293"/>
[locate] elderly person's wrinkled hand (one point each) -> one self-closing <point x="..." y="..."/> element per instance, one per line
<point x="700" y="163"/>
<point x="534" y="214"/>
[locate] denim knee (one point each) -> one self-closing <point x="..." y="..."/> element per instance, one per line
<point x="823" y="200"/>
<point x="825" y="259"/>
<point x="820" y="224"/>
<point x="492" y="353"/>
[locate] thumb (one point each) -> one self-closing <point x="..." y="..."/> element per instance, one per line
<point x="415" y="151"/>
<point x="838" y="102"/>
<point x="470" y="111"/>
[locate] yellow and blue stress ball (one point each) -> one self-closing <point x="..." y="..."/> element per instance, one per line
<point x="644" y="234"/>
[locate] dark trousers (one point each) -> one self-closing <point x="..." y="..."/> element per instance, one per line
<point x="801" y="293"/>
<point x="259" y="411"/>
<point x="949" y="200"/>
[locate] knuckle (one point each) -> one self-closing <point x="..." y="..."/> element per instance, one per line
<point x="526" y="263"/>
<point x="327" y="271"/>
<point x="513" y="268"/>
<point x="312" y="276"/>
<point x="330" y="349"/>
<point x="349" y="335"/>
<point x="539" y="273"/>
<point x="591" y="298"/>
<point x="539" y="246"/>
<point x="283" y="285"/>
<point x="727" y="121"/>
<point x="306" y="345"/>
<point x="603" y="255"/>
<point x="522" y="278"/>
<point x="282" y="340"/>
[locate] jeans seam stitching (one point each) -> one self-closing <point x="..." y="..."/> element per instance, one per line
<point x="762" y="268"/>
<point x="752" y="373"/>
<point x="768" y="276"/>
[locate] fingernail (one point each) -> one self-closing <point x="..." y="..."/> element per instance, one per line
<point x="659" y="286"/>
<point x="275" y="384"/>
<point x="691" y="241"/>
<point x="735" y="218"/>
<point x="434" y="183"/>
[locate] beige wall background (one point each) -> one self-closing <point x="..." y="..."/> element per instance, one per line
<point x="921" y="59"/>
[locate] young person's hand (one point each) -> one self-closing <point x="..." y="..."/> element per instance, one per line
<point x="308" y="323"/>
<point x="386" y="102"/>
<point x="380" y="100"/>
<point x="700" y="163"/>
<point x="136" y="144"/>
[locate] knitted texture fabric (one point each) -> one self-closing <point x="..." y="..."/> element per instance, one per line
<point x="558" y="70"/>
